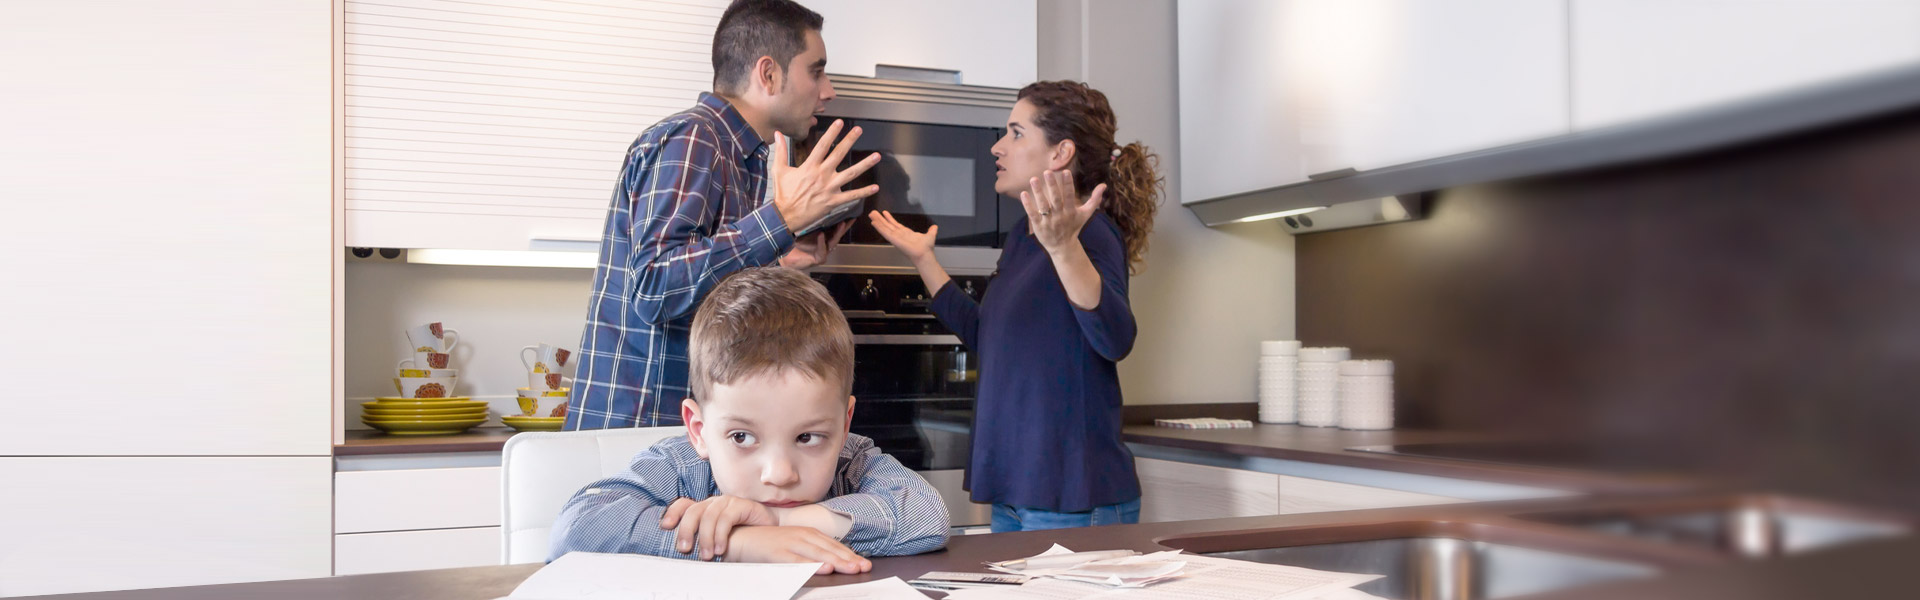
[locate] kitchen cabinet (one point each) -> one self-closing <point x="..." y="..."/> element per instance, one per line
<point x="1177" y="491"/>
<point x="505" y="129"/>
<point x="1306" y="495"/>
<point x="169" y="230"/>
<point x="990" y="42"/>
<point x="392" y="551"/>
<point x="1639" y="59"/>
<point x="1274" y="91"/>
<point x="82" y="524"/>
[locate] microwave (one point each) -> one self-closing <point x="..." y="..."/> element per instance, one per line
<point x="936" y="167"/>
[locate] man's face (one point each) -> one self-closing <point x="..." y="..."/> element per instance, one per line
<point x="773" y="438"/>
<point x="804" y="91"/>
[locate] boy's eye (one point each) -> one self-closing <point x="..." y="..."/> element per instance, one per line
<point x="811" y="439"/>
<point x="741" y="438"/>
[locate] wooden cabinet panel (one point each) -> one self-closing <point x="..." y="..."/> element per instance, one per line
<point x="360" y="553"/>
<point x="1303" y="495"/>
<point x="405" y="499"/>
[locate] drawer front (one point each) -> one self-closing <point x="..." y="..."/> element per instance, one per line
<point x="1176" y="491"/>
<point x="409" y="499"/>
<point x="359" y="553"/>
<point x="1302" y="495"/>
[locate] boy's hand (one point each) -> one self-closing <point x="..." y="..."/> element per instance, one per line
<point x="711" y="521"/>
<point x="795" y="544"/>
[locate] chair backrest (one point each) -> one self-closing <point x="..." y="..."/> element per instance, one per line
<point x="541" y="470"/>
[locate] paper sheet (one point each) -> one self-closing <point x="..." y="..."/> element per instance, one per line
<point x="593" y="576"/>
<point x="891" y="588"/>
<point x="1203" y="578"/>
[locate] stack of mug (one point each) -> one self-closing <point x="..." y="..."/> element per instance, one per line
<point x="543" y="403"/>
<point x="426" y="403"/>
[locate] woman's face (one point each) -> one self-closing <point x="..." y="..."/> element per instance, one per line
<point x="1023" y="153"/>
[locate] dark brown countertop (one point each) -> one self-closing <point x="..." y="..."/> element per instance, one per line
<point x="1326" y="445"/>
<point x="1868" y="569"/>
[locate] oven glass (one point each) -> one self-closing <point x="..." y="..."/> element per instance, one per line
<point x="928" y="175"/>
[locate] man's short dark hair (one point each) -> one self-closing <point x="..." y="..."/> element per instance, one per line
<point x="751" y="29"/>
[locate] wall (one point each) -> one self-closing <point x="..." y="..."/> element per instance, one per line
<point x="1205" y="297"/>
<point x="497" y="310"/>
<point x="1749" y="312"/>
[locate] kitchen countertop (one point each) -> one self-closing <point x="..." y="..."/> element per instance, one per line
<point x="1867" y="569"/>
<point x="368" y="441"/>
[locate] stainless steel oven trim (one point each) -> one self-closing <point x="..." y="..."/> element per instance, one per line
<point x="906" y="340"/>
<point x="874" y="259"/>
<point x="920" y="102"/>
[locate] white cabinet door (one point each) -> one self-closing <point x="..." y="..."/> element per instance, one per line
<point x="1635" y="59"/>
<point x="1177" y="491"/>
<point x="1274" y="91"/>
<point x="359" y="553"/>
<point x="990" y="42"/>
<point x="1303" y="495"/>
<point x="94" y="524"/>
<point x="406" y="499"/>
<point x="168" y="173"/>
<point x="503" y="124"/>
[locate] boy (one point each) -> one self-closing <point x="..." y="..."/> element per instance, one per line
<point x="768" y="471"/>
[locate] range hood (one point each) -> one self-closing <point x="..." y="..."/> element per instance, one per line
<point x="1355" y="198"/>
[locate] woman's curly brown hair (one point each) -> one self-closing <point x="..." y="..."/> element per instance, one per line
<point x="1069" y="110"/>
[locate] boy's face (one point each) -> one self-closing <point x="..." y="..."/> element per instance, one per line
<point x="774" y="438"/>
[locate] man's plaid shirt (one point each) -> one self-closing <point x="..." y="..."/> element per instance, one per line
<point x="688" y="211"/>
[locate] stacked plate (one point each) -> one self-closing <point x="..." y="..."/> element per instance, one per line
<point x="423" y="416"/>
<point x="534" y="423"/>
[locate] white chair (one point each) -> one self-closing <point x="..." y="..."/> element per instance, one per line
<point x="541" y="470"/>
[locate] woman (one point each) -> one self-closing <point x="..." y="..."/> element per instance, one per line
<point x="1050" y="330"/>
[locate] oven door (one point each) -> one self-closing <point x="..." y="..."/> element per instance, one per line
<point x="928" y="175"/>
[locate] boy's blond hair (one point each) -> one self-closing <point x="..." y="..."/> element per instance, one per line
<point x="765" y="320"/>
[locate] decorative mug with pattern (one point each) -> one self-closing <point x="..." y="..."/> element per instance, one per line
<point x="427" y="360"/>
<point x="432" y="337"/>
<point x="545" y="381"/>
<point x="546" y="358"/>
<point x="424" y="387"/>
<point x="543" y="406"/>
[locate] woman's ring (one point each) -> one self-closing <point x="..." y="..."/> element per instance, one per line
<point x="1045" y="213"/>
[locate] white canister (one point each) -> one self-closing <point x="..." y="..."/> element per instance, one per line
<point x="1366" y="394"/>
<point x="1316" y="396"/>
<point x="1276" y="388"/>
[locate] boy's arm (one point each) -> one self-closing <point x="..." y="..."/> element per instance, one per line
<point x="892" y="511"/>
<point x="622" y="513"/>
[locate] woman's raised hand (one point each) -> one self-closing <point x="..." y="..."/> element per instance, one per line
<point x="1054" y="212"/>
<point x="917" y="246"/>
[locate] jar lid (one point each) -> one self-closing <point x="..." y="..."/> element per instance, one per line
<point x="1329" y="354"/>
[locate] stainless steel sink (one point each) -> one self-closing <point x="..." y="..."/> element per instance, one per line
<point x="1744" y="526"/>
<point x="1441" y="560"/>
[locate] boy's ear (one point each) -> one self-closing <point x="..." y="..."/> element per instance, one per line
<point x="690" y="414"/>
<point x="850" y="400"/>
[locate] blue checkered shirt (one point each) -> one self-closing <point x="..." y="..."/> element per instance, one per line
<point x="689" y="210"/>
<point x="894" y="511"/>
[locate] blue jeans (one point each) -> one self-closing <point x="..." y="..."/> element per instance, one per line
<point x="1013" y="518"/>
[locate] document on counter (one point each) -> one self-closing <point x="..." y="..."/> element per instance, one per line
<point x="891" y="588"/>
<point x="595" y="576"/>
<point x="1200" y="577"/>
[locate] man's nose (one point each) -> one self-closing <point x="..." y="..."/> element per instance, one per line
<point x="826" y="90"/>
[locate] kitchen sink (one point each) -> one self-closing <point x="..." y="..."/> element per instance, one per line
<point x="1446" y="560"/>
<point x="1745" y="526"/>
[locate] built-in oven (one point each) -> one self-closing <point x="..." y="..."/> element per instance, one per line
<point x="936" y="164"/>
<point x="914" y="381"/>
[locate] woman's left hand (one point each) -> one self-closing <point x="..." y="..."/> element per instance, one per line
<point x="1055" y="213"/>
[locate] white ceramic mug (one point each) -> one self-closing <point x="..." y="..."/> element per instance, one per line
<point x="543" y="406"/>
<point x="530" y="392"/>
<point x="545" y="381"/>
<point x="546" y="358"/>
<point x="432" y="337"/>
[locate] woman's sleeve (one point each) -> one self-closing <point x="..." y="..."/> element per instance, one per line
<point x="959" y="312"/>
<point x="1109" y="327"/>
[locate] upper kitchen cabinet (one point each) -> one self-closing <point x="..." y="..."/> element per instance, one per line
<point x="1274" y="91"/>
<point x="169" y="228"/>
<point x="1634" y="59"/>
<point x="502" y="125"/>
<point x="989" y="42"/>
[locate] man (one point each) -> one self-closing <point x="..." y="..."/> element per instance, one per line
<point x="699" y="199"/>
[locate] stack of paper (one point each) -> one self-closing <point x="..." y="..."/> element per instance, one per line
<point x="1194" y="577"/>
<point x="584" y="575"/>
